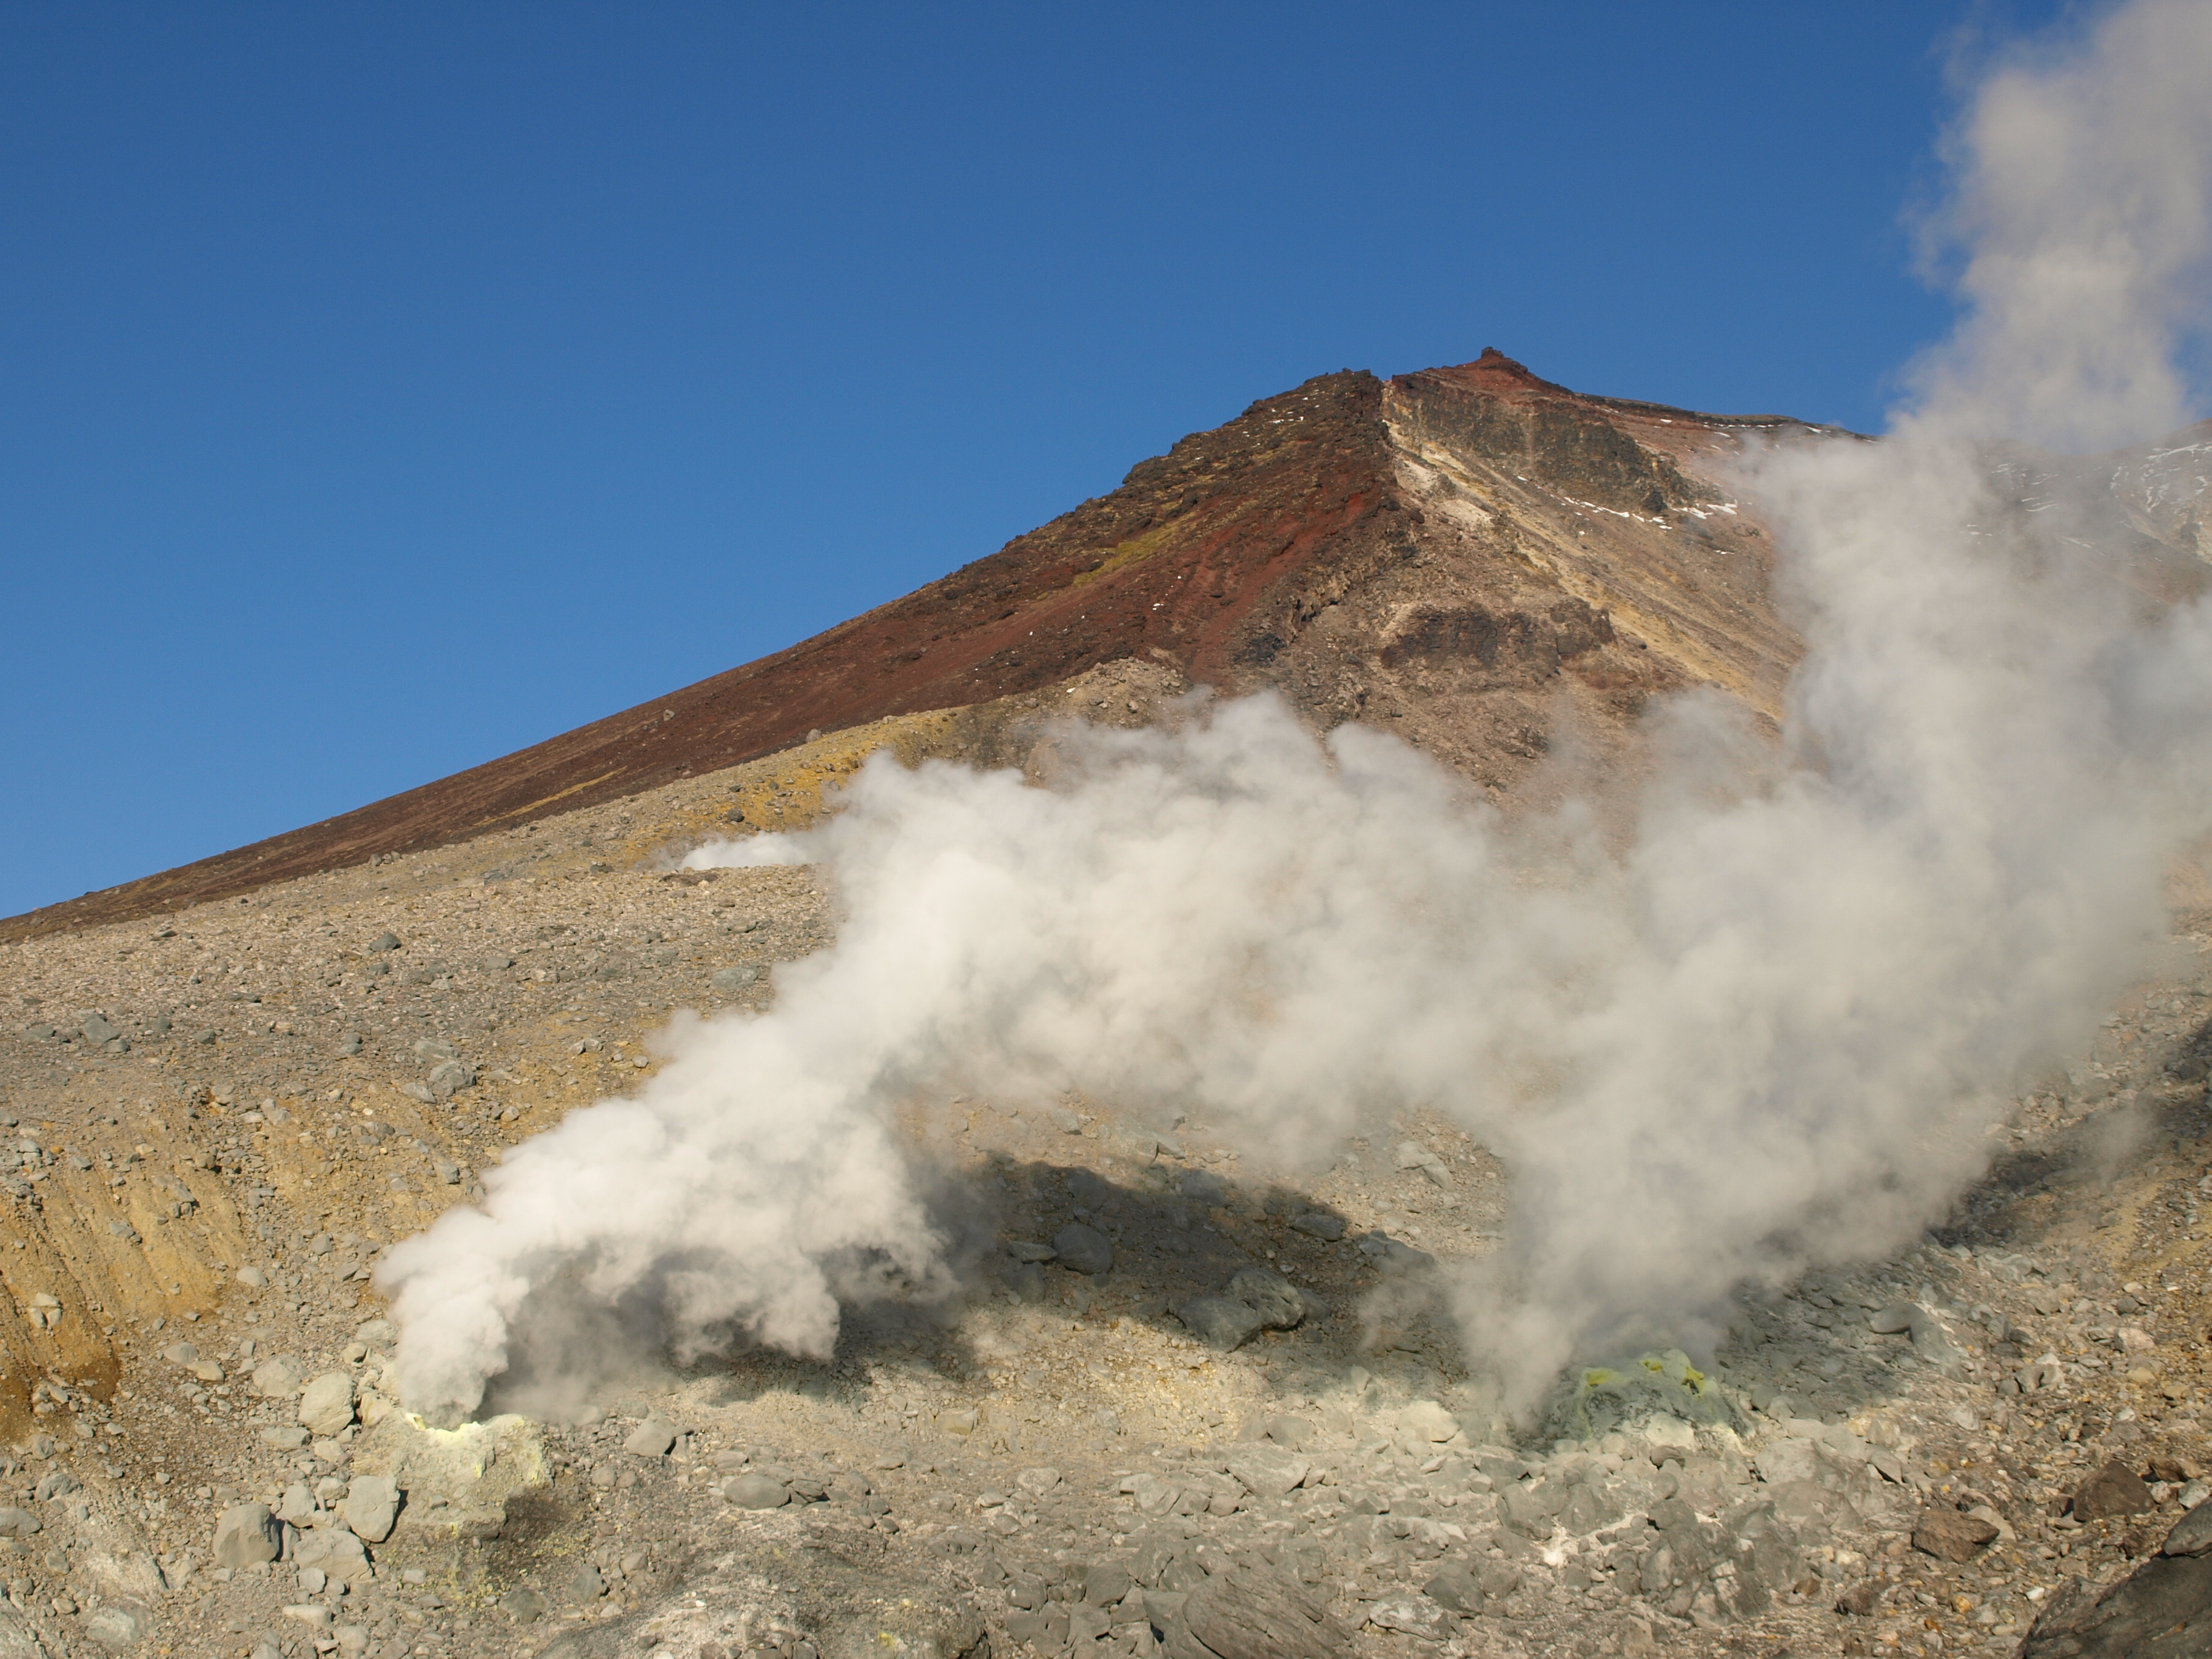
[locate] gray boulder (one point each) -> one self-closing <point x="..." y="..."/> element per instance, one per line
<point x="1245" y="1613"/>
<point x="1770" y="1564"/>
<point x="278" y="1379"/>
<point x="1408" y="1615"/>
<point x="1202" y="1187"/>
<point x="1269" y="1295"/>
<point x="1896" y="1319"/>
<point x="1411" y="1155"/>
<point x="337" y="1554"/>
<point x="449" y="1077"/>
<point x="326" y="1407"/>
<point x="297" y="1506"/>
<point x="1393" y="1256"/>
<point x="1786" y="1459"/>
<point x="1220" y="1321"/>
<point x="1454" y="1587"/>
<point x="1255" y="1299"/>
<point x="755" y="1492"/>
<point x="1268" y="1471"/>
<point x="1427" y="1421"/>
<point x="2162" y="1610"/>
<point x="2191" y="1534"/>
<point x="371" y="1507"/>
<point x="1939" y="1351"/>
<point x="117" y="1626"/>
<point x="1498" y="1578"/>
<point x="1106" y="1584"/>
<point x="246" y="1533"/>
<point x="1926" y="1331"/>
<point x="1532" y="1507"/>
<point x="1084" y="1249"/>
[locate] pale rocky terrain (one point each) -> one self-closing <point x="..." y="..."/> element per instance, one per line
<point x="219" y="1119"/>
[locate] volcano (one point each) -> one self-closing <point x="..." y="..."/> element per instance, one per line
<point x="1470" y="556"/>
<point x="223" y="1125"/>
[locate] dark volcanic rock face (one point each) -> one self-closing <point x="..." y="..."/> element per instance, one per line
<point x="1533" y="644"/>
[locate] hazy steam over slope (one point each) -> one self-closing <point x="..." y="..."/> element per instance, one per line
<point x="1769" y="1031"/>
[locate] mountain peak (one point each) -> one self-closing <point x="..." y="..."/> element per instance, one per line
<point x="1464" y="556"/>
<point x="1499" y="375"/>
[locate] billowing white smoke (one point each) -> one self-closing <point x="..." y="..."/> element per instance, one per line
<point x="1770" y="1032"/>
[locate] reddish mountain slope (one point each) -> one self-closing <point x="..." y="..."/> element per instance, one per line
<point x="1437" y="549"/>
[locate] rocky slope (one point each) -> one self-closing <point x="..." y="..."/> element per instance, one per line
<point x="1185" y="1400"/>
<point x="220" y="1118"/>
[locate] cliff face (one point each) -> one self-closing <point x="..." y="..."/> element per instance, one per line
<point x="1472" y="557"/>
<point x="1564" y="559"/>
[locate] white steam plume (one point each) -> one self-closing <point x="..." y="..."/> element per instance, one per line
<point x="2082" y="209"/>
<point x="1768" y="1033"/>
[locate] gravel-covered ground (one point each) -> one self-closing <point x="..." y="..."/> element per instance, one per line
<point x="218" y="1122"/>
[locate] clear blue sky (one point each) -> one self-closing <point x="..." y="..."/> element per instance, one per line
<point x="386" y="388"/>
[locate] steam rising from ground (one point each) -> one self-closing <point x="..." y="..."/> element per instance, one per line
<point x="1769" y="1032"/>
